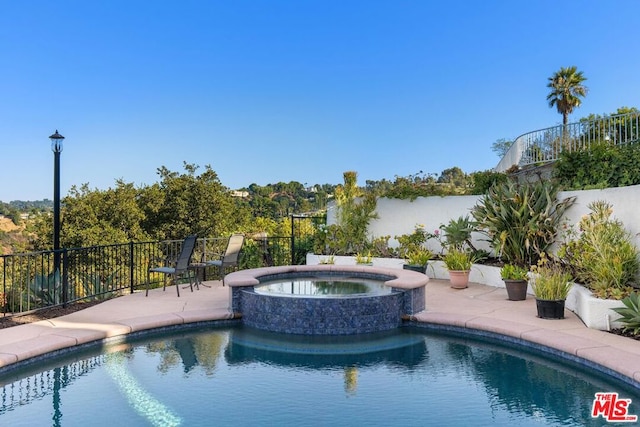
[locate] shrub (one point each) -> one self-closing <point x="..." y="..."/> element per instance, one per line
<point x="601" y="253"/>
<point x="482" y="181"/>
<point x="520" y="220"/>
<point x="354" y="210"/>
<point x="414" y="242"/>
<point x="601" y="166"/>
<point x="457" y="233"/>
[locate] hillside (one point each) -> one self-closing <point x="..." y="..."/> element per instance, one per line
<point x="10" y="234"/>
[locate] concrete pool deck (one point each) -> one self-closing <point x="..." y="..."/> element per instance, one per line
<point x="479" y="307"/>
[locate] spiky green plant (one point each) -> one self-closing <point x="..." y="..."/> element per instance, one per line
<point x="458" y="260"/>
<point x="419" y="257"/>
<point x="550" y="281"/>
<point x="520" y="220"/>
<point x="457" y="233"/>
<point x="630" y="313"/>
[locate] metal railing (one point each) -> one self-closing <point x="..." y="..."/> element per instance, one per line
<point x="545" y="145"/>
<point x="29" y="281"/>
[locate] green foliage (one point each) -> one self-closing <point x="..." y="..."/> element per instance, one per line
<point x="365" y="258"/>
<point x="520" y="220"/>
<point x="184" y="204"/>
<point x="601" y="166"/>
<point x="280" y="200"/>
<point x="354" y="210"/>
<point x="419" y="257"/>
<point x="601" y="253"/>
<point x="380" y="247"/>
<point x="483" y="181"/>
<point x="457" y="233"/>
<point x="550" y="280"/>
<point x="630" y="313"/>
<point x="458" y="260"/>
<point x="41" y="291"/>
<point x="414" y="242"/>
<point x="92" y="283"/>
<point x="513" y="272"/>
<point x="408" y="187"/>
<point x="501" y="146"/>
<point x="451" y="181"/>
<point x="252" y="256"/>
<point x="10" y="212"/>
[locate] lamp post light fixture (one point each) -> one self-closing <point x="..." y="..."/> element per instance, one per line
<point x="56" y="147"/>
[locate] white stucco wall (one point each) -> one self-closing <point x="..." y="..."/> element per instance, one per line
<point x="397" y="217"/>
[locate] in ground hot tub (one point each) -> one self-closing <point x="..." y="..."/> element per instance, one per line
<point x="326" y="300"/>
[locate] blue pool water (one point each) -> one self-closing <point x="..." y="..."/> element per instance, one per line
<point x="234" y="375"/>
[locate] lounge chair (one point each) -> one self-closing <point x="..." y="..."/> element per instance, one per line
<point x="230" y="257"/>
<point x="179" y="269"/>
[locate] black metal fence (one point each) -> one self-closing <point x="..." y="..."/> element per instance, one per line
<point x="30" y="281"/>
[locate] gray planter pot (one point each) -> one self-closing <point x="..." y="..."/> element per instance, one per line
<point x="516" y="289"/>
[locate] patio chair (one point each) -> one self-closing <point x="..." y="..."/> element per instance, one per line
<point x="230" y="256"/>
<point x="179" y="269"/>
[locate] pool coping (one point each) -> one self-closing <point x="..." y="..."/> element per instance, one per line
<point x="478" y="309"/>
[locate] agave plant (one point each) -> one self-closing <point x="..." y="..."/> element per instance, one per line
<point x="520" y="220"/>
<point x="630" y="313"/>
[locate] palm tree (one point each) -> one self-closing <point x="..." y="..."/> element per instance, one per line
<point x="566" y="89"/>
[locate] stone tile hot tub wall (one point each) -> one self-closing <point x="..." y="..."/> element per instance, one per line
<point x="327" y="316"/>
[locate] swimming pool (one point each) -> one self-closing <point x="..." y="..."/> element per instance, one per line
<point x="234" y="375"/>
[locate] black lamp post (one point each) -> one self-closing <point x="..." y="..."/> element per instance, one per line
<point x="56" y="147"/>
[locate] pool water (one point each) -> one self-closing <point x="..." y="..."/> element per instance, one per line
<point x="238" y="376"/>
<point x="322" y="287"/>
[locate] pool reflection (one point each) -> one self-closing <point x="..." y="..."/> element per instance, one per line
<point x="400" y="348"/>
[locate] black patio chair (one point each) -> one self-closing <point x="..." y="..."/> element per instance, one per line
<point x="179" y="269"/>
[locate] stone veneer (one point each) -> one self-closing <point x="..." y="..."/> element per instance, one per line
<point x="327" y="316"/>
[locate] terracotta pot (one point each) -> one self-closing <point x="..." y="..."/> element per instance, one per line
<point x="459" y="279"/>
<point x="550" y="309"/>
<point x="516" y="289"/>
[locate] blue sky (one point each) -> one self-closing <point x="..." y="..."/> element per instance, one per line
<point x="272" y="90"/>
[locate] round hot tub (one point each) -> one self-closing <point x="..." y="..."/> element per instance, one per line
<point x="325" y="300"/>
<point x="322" y="287"/>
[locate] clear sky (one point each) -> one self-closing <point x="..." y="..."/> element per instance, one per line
<point x="292" y="90"/>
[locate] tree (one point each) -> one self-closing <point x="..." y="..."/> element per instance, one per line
<point x="566" y="90"/>
<point x="95" y="217"/>
<point x="454" y="176"/>
<point x="187" y="203"/>
<point x="501" y="146"/>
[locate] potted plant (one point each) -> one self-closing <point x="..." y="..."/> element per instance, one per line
<point x="458" y="263"/>
<point x="364" y="259"/>
<point x="551" y="285"/>
<point x="516" y="281"/>
<point x="417" y="260"/>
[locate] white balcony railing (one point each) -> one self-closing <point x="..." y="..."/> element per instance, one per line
<point x="545" y="145"/>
